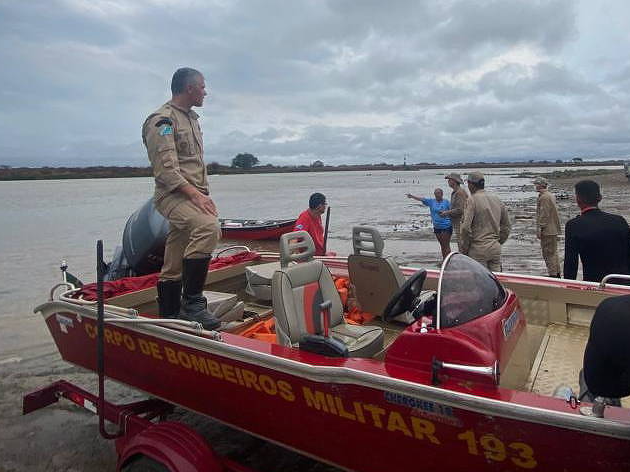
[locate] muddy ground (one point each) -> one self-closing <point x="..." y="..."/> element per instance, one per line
<point x="63" y="437"/>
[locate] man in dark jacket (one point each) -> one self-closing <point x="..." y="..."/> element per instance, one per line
<point x="601" y="240"/>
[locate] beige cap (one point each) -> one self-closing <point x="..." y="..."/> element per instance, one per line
<point x="455" y="176"/>
<point x="475" y="177"/>
<point x="540" y="181"/>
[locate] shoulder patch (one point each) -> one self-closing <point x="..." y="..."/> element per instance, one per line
<point x="165" y="130"/>
<point x="164" y="121"/>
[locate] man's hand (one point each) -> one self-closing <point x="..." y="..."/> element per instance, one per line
<point x="200" y="200"/>
<point x="204" y="203"/>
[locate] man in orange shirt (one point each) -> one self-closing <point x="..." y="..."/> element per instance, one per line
<point x="311" y="221"/>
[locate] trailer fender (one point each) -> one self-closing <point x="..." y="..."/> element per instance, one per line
<point x="174" y="445"/>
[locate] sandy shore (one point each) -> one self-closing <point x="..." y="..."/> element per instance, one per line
<point x="65" y="438"/>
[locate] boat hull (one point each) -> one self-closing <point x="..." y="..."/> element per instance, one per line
<point x="358" y="414"/>
<point x="257" y="232"/>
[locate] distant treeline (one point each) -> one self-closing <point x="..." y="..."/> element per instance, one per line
<point x="102" y="172"/>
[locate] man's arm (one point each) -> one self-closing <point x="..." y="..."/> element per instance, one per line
<point x="504" y="225"/>
<point x="420" y="199"/>
<point x="543" y="216"/>
<point x="160" y="142"/>
<point x="158" y="135"/>
<point x="200" y="200"/>
<point x="571" y="252"/>
<point x="465" y="230"/>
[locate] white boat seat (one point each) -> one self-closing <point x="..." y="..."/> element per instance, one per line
<point x="259" y="279"/>
<point x="224" y="306"/>
<point x="299" y="290"/>
<point x="376" y="278"/>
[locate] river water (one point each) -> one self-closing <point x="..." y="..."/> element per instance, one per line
<point x="43" y="222"/>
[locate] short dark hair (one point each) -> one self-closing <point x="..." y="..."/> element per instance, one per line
<point x="316" y="200"/>
<point x="183" y="77"/>
<point x="588" y="191"/>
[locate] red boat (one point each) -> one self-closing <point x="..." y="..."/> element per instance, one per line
<point x="255" y="229"/>
<point x="468" y="382"/>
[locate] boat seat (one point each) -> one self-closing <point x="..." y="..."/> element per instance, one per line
<point x="259" y="279"/>
<point x="376" y="278"/>
<point x="298" y="292"/>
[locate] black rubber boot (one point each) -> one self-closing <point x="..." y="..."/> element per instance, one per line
<point x="169" y="298"/>
<point x="194" y="304"/>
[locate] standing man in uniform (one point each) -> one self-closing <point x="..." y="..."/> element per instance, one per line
<point x="310" y="220"/>
<point x="174" y="143"/>
<point x="458" y="203"/>
<point x="485" y="225"/>
<point x="601" y="240"/>
<point x="547" y="226"/>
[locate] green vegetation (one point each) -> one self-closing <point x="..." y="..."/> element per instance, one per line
<point x="244" y="161"/>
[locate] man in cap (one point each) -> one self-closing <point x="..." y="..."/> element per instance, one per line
<point x="174" y="143"/>
<point x="458" y="203"/>
<point x="547" y="226"/>
<point x="601" y="240"/>
<point x="485" y="225"/>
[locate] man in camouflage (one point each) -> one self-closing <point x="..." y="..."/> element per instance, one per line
<point x="485" y="225"/>
<point x="458" y="203"/>
<point x="174" y="143"/>
<point x="547" y="226"/>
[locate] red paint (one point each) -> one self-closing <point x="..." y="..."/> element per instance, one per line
<point x="479" y="342"/>
<point x="257" y="232"/>
<point x="276" y="406"/>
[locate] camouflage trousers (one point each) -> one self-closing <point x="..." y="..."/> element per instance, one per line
<point x="549" y="246"/>
<point x="487" y="254"/>
<point x="192" y="234"/>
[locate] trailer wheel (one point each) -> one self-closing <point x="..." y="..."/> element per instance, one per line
<point x="144" y="464"/>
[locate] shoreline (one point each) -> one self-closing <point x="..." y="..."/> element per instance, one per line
<point x="10" y="174"/>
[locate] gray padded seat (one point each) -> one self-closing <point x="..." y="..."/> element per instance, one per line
<point x="299" y="290"/>
<point x="376" y="278"/>
<point x="259" y="279"/>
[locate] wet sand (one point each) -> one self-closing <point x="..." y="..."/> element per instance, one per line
<point x="63" y="437"/>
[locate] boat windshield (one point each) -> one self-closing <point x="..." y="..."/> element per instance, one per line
<point x="467" y="290"/>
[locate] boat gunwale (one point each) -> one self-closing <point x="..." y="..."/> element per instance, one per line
<point x="351" y="375"/>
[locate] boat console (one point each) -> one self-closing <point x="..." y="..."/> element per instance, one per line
<point x="469" y="327"/>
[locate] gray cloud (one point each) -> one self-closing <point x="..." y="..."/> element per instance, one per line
<point x="339" y="81"/>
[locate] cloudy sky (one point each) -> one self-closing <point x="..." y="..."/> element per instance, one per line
<point x="343" y="81"/>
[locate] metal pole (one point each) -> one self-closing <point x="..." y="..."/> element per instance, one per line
<point x="100" y="352"/>
<point x="326" y="230"/>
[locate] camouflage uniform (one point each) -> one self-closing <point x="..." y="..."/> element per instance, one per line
<point x="458" y="203"/>
<point x="175" y="146"/>
<point x="484" y="228"/>
<point x="548" y="229"/>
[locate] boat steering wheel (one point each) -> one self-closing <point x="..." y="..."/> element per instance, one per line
<point x="404" y="299"/>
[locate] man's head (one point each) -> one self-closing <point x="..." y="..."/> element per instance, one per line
<point x="188" y="87"/>
<point x="439" y="194"/>
<point x="454" y="180"/>
<point x="540" y="183"/>
<point x="587" y="193"/>
<point x="317" y="203"/>
<point x="476" y="181"/>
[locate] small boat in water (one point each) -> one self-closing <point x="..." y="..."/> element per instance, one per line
<point x="255" y="229"/>
<point x="452" y="369"/>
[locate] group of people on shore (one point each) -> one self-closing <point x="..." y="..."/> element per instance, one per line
<point x="481" y="225"/>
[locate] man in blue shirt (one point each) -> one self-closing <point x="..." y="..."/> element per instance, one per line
<point x="442" y="226"/>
